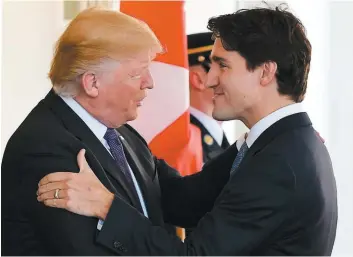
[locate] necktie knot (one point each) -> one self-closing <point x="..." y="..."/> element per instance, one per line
<point x="111" y="134"/>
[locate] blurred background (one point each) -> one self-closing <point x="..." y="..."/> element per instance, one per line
<point x="29" y="30"/>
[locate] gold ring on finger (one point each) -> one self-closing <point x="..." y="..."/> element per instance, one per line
<point x="57" y="193"/>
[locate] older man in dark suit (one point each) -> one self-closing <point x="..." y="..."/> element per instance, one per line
<point x="100" y="75"/>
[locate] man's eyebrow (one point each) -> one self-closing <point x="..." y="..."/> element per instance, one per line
<point x="218" y="59"/>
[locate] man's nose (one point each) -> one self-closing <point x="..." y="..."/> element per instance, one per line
<point x="147" y="81"/>
<point x="212" y="78"/>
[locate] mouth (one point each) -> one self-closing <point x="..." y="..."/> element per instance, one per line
<point x="216" y="95"/>
<point x="140" y="102"/>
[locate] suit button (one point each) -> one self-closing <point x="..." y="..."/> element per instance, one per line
<point x="117" y="245"/>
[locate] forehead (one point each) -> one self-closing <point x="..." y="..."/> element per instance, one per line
<point x="218" y="52"/>
<point x="139" y="60"/>
<point x="218" y="47"/>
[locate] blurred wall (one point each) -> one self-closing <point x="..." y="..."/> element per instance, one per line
<point x="339" y="116"/>
<point x="30" y="29"/>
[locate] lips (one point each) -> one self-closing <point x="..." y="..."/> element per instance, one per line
<point x="140" y="102"/>
<point x="217" y="94"/>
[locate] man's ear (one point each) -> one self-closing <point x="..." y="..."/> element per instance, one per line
<point x="196" y="81"/>
<point x="90" y="84"/>
<point x="268" y="74"/>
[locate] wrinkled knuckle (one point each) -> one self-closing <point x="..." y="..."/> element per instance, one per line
<point x="68" y="183"/>
<point x="70" y="193"/>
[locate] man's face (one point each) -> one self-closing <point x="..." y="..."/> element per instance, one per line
<point x="236" y="89"/>
<point x="122" y="91"/>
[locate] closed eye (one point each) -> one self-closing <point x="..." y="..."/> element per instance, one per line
<point x="222" y="65"/>
<point x="138" y="73"/>
<point x="135" y="77"/>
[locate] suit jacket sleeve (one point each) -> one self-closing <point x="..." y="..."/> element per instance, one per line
<point x="243" y="218"/>
<point x="62" y="232"/>
<point x="186" y="199"/>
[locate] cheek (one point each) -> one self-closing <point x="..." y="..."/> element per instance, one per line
<point x="246" y="94"/>
<point x="236" y="91"/>
<point x="232" y="89"/>
<point x="128" y="96"/>
<point x="126" y="99"/>
<point x="117" y="98"/>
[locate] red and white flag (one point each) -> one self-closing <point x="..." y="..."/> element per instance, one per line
<point x="164" y="118"/>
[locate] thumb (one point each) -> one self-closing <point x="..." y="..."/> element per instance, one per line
<point x="82" y="163"/>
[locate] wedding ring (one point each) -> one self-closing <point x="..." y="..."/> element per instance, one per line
<point x="57" y="193"/>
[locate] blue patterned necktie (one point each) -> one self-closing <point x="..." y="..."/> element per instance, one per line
<point x="117" y="150"/>
<point x="242" y="151"/>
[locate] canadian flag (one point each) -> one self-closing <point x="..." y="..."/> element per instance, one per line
<point x="164" y="118"/>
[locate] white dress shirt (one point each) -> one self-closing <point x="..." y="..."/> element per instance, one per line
<point x="266" y="122"/>
<point x="99" y="130"/>
<point x="213" y="127"/>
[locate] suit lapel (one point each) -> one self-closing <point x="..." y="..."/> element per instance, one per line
<point x="109" y="165"/>
<point x="144" y="181"/>
<point x="81" y="131"/>
<point x="224" y="161"/>
<point x="286" y="124"/>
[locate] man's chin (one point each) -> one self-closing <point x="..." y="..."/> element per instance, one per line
<point x="132" y="116"/>
<point x="221" y="116"/>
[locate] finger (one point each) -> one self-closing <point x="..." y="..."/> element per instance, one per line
<point x="51" y="186"/>
<point x="82" y="162"/>
<point x="57" y="203"/>
<point x="62" y="194"/>
<point x="55" y="177"/>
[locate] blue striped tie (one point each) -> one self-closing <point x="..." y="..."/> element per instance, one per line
<point x="117" y="150"/>
<point x="243" y="149"/>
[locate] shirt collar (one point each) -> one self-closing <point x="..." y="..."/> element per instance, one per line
<point x="94" y="125"/>
<point x="268" y="121"/>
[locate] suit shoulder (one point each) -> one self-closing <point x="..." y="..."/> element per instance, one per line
<point x="40" y="131"/>
<point x="299" y="144"/>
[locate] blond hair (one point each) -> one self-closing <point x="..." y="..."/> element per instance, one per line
<point x="94" y="36"/>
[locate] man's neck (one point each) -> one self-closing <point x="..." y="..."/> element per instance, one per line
<point x="262" y="110"/>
